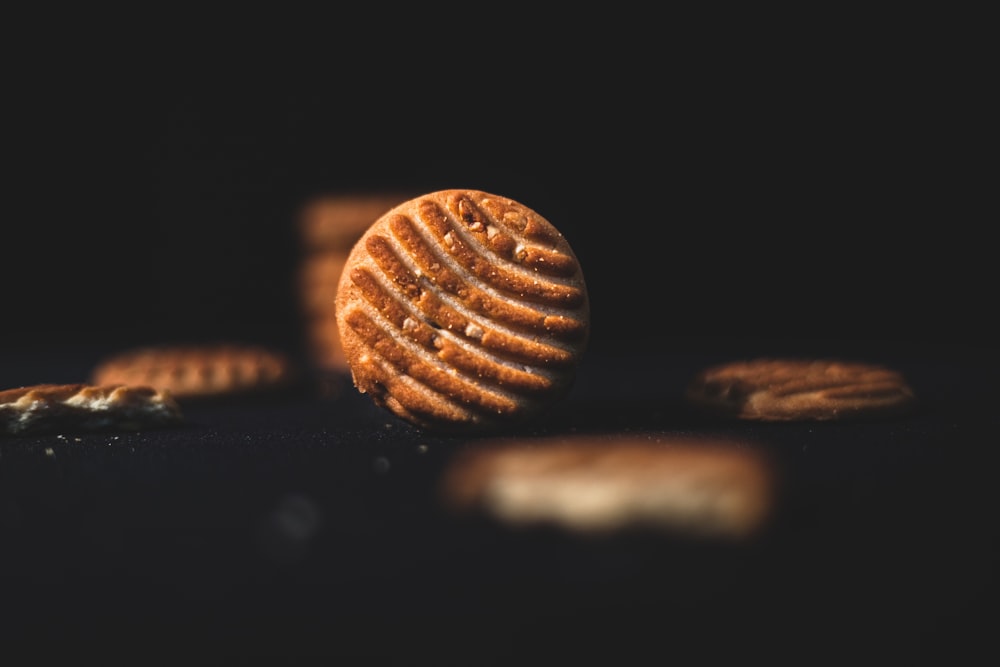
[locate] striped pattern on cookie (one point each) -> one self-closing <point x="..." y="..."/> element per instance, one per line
<point x="774" y="389"/>
<point x="707" y="487"/>
<point x="60" y="408"/>
<point x="199" y="370"/>
<point x="461" y="310"/>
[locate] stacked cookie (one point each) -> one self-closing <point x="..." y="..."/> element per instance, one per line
<point x="329" y="225"/>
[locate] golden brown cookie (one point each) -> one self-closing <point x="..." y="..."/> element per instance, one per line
<point x="199" y="370"/>
<point x="461" y="310"/>
<point x="66" y="408"/>
<point x="775" y="389"/>
<point x="694" y="487"/>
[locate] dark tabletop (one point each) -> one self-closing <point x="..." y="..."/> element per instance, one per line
<point x="310" y="524"/>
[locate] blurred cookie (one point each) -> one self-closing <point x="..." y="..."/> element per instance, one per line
<point x="800" y="389"/>
<point x="66" y="408"/>
<point x="318" y="278"/>
<point x="461" y="310"/>
<point x="692" y="487"/>
<point x="199" y="370"/>
<point x="323" y="343"/>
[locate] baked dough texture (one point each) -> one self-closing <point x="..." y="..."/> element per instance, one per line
<point x="788" y="389"/>
<point x="62" y="408"/>
<point x="697" y="487"/>
<point x="204" y="370"/>
<point x="463" y="311"/>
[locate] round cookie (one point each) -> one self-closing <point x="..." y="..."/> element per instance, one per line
<point x="775" y="389"/>
<point x="707" y="487"/>
<point x="207" y="370"/>
<point x="463" y="311"/>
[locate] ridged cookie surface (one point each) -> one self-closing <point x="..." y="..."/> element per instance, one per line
<point x="800" y="389"/>
<point x="461" y="310"/>
<point x="56" y="408"/>
<point x="198" y="370"/>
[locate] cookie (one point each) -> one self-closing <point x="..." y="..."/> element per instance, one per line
<point x="199" y="370"/>
<point x="463" y="311"/>
<point x="318" y="278"/>
<point x="323" y="344"/>
<point x="63" y="408"/>
<point x="776" y="389"/>
<point x="603" y="484"/>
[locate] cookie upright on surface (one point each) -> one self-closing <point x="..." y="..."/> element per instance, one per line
<point x="790" y="389"/>
<point x="461" y="310"/>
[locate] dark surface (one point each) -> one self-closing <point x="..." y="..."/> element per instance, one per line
<point x="739" y="191"/>
<point x="309" y="525"/>
<point x="732" y="188"/>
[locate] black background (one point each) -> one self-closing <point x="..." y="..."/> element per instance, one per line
<point x="711" y="188"/>
<point x="730" y="187"/>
